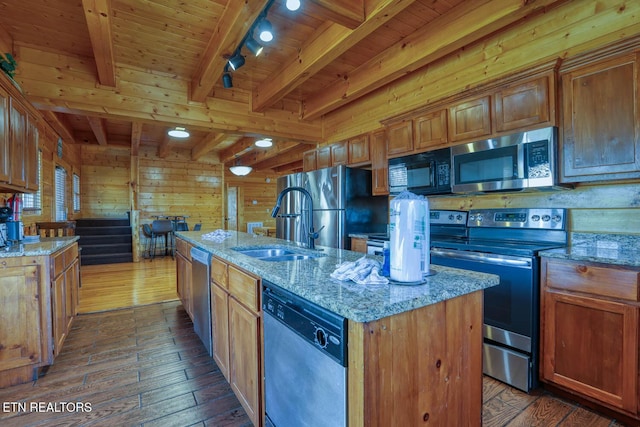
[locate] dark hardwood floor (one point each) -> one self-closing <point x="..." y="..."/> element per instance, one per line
<point x="144" y="366"/>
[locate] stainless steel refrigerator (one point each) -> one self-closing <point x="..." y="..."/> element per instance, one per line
<point x="342" y="204"/>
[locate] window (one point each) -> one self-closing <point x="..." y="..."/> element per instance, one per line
<point x="32" y="202"/>
<point x="61" y="197"/>
<point x="76" y="193"/>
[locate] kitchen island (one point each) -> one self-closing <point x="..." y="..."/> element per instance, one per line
<point x="38" y="298"/>
<point x="414" y="352"/>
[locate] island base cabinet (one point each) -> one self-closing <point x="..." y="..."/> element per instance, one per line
<point x="244" y="358"/>
<point x="421" y="367"/>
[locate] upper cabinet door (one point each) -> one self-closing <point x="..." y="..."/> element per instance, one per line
<point x="359" y="149"/>
<point x="18" y="139"/>
<point x="400" y="138"/>
<point x="470" y="119"/>
<point x="523" y="105"/>
<point x="379" y="164"/>
<point x="600" y="109"/>
<point x="430" y="130"/>
<point x="323" y="159"/>
<point x="309" y="161"/>
<point x="5" y="155"/>
<point x="31" y="155"/>
<point x="339" y="153"/>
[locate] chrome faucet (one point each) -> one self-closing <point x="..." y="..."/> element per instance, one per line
<point x="311" y="234"/>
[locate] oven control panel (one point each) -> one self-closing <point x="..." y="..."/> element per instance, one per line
<point x="536" y="218"/>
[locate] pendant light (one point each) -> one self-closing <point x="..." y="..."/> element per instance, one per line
<point x="240" y="170"/>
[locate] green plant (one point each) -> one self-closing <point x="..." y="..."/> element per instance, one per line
<point x="8" y="64"/>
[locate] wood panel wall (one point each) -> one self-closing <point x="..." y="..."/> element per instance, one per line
<point x="257" y="196"/>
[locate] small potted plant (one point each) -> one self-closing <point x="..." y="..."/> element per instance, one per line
<point x="8" y="64"/>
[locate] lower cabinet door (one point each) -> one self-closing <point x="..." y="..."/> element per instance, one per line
<point x="220" y="328"/>
<point x="19" y="298"/>
<point x="59" y="313"/>
<point x="244" y="358"/>
<point x="591" y="347"/>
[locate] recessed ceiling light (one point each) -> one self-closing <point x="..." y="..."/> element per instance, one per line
<point x="264" y="142"/>
<point x="293" y="4"/>
<point x="264" y="29"/>
<point x="178" y="132"/>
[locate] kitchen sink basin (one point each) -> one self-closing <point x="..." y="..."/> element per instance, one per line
<point x="275" y="254"/>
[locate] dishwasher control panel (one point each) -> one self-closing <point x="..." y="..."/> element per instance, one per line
<point x="322" y="328"/>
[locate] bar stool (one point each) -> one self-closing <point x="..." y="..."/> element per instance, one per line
<point x="148" y="234"/>
<point x="162" y="228"/>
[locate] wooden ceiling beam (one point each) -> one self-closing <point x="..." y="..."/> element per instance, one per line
<point x="262" y="154"/>
<point x="136" y="136"/>
<point x="236" y="20"/>
<point x="206" y="144"/>
<point x="60" y="125"/>
<point x="164" y="148"/>
<point x="466" y="23"/>
<point x="242" y="146"/>
<point x="348" y="13"/>
<point x="98" y="16"/>
<point x="325" y="46"/>
<point x="292" y="155"/>
<point x="99" y="129"/>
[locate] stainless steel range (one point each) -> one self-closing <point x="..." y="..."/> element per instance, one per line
<point x="505" y="242"/>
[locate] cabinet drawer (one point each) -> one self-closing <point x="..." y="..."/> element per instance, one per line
<point x="183" y="248"/>
<point x="219" y="272"/>
<point x="58" y="264"/>
<point x="614" y="282"/>
<point x="245" y="288"/>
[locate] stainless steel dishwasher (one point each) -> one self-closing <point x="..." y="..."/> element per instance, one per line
<point x="200" y="296"/>
<point x="305" y="362"/>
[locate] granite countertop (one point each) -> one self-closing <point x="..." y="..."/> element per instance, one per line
<point x="310" y="278"/>
<point x="614" y="249"/>
<point x="44" y="247"/>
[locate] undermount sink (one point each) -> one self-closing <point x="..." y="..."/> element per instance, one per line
<point x="275" y="254"/>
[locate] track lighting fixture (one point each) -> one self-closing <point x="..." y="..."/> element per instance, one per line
<point x="227" y="81"/>
<point x="254" y="46"/>
<point x="236" y="61"/>
<point x="293" y="4"/>
<point x="264" y="31"/>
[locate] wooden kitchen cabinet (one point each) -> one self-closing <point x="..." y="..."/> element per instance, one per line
<point x="237" y="333"/>
<point x="183" y="274"/>
<point x="65" y="273"/>
<point x="470" y="119"/>
<point x="17" y="142"/>
<point x="5" y="156"/>
<point x="590" y="331"/>
<point x="359" y="150"/>
<point x="430" y="130"/>
<point x="22" y="299"/>
<point x="339" y="154"/>
<point x="309" y="161"/>
<point x="399" y="138"/>
<point x="379" y="164"/>
<point x="523" y="105"/>
<point x="31" y="155"/>
<point x="359" y="244"/>
<point x="600" y="134"/>
<point x="323" y="157"/>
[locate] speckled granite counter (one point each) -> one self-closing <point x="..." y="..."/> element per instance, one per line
<point x="46" y="246"/>
<point x="310" y="279"/>
<point x="614" y="249"/>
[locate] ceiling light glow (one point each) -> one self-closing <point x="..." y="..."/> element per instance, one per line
<point x="264" y="142"/>
<point x="240" y="170"/>
<point x="264" y="31"/>
<point x="293" y="5"/>
<point x="178" y="132"/>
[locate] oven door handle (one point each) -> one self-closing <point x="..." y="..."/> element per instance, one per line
<point x="472" y="256"/>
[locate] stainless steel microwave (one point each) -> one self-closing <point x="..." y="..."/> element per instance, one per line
<point x="422" y="173"/>
<point x="513" y="162"/>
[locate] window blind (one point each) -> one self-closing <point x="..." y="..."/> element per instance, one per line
<point x="60" y="190"/>
<point x="76" y="193"/>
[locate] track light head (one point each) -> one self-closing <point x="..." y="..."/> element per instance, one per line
<point x="264" y="31"/>
<point x="227" y="82"/>
<point x="236" y="61"/>
<point x="254" y="46"/>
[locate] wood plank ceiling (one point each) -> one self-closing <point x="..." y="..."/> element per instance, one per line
<point x="122" y="72"/>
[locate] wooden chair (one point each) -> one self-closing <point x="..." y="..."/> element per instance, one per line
<point x="56" y="229"/>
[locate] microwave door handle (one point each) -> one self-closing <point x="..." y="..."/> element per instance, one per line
<point x="521" y="159"/>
